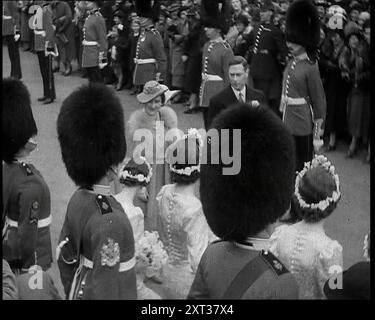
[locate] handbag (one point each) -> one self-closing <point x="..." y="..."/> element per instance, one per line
<point x="62" y="38"/>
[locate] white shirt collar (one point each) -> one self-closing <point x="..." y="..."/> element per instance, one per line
<point x="237" y="93"/>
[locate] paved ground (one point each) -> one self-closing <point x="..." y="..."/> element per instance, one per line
<point x="348" y="224"/>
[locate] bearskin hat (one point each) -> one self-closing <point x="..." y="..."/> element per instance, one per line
<point x="216" y="14"/>
<point x="302" y="24"/>
<point x="241" y="205"/>
<point x="18" y="124"/>
<point x="91" y="132"/>
<point x="148" y="9"/>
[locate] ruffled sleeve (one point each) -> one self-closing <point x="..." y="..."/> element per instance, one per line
<point x="330" y="262"/>
<point x="197" y="230"/>
<point x="275" y="237"/>
<point x="160" y="195"/>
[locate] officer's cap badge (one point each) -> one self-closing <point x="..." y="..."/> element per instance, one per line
<point x="110" y="253"/>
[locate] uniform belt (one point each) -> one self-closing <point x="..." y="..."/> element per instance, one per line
<point x="124" y="266"/>
<point x="89" y="43"/>
<point x="41" y="223"/>
<point x="295" y="101"/>
<point x="7" y="17"/>
<point x="144" y="61"/>
<point x="40" y="32"/>
<point x="211" y="77"/>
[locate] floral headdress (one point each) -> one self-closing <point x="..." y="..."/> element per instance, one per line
<point x="187" y="171"/>
<point x="150" y="253"/>
<point x="318" y="161"/>
<point x="142" y="178"/>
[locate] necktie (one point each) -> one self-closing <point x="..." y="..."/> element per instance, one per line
<point x="240" y="98"/>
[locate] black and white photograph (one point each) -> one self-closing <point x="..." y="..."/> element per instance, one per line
<point x="190" y="150"/>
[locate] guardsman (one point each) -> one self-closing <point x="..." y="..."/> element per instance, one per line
<point x="95" y="253"/>
<point x="26" y="196"/>
<point x="267" y="57"/>
<point x="150" y="58"/>
<point x="46" y="49"/>
<point x="95" y="43"/>
<point x="236" y="212"/>
<point x="11" y="27"/>
<point x="303" y="102"/>
<point x="216" y="54"/>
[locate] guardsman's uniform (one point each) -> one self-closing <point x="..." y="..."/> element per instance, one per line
<point x="11" y="27"/>
<point x="95" y="45"/>
<point x="96" y="248"/>
<point x="247" y="272"/>
<point x="45" y="47"/>
<point x="215" y="65"/>
<point x="267" y="58"/>
<point x="150" y="57"/>
<point x="27" y="211"/>
<point x="303" y="101"/>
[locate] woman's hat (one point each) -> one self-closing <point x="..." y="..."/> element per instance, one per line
<point x="18" y="124"/>
<point x="151" y="90"/>
<point x="303" y="24"/>
<point x="119" y="13"/>
<point x="91" y="133"/>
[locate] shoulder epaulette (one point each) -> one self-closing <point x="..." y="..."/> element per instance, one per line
<point x="154" y="31"/>
<point x="274" y="263"/>
<point x="103" y="204"/>
<point x="26" y="168"/>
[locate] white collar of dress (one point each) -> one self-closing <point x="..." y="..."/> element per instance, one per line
<point x="302" y="56"/>
<point x="251" y="243"/>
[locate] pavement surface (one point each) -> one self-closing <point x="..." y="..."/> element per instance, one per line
<point x="348" y="223"/>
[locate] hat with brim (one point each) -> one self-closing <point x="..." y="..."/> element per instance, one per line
<point x="151" y="90"/>
<point x="170" y="94"/>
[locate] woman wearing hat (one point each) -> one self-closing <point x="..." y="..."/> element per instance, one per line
<point x="336" y="88"/>
<point x="26" y="196"/>
<point x="303" y="102"/>
<point x="355" y="65"/>
<point x="155" y="117"/>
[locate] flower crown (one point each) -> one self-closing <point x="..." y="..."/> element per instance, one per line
<point x="318" y="161"/>
<point x="192" y="133"/>
<point x="138" y="177"/>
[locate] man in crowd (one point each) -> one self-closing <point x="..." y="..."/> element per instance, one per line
<point x="238" y="91"/>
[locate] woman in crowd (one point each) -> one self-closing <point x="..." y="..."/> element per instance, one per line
<point x="304" y="247"/>
<point x="355" y="66"/>
<point x="157" y="119"/>
<point x="65" y="38"/>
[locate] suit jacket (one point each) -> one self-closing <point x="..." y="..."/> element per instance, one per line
<point x="226" y="98"/>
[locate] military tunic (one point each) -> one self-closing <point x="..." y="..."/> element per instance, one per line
<point x="211" y="282"/>
<point x="96" y="249"/>
<point x="267" y="58"/>
<point x="27" y="213"/>
<point x="303" y="102"/>
<point x="215" y="64"/>
<point x="150" y="57"/>
<point x="95" y="44"/>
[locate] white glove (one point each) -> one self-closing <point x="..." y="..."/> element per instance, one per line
<point x="120" y="27"/>
<point x="17" y="37"/>
<point x="102" y="65"/>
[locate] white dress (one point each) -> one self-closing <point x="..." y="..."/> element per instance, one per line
<point x="134" y="214"/>
<point x="309" y="254"/>
<point x="185" y="235"/>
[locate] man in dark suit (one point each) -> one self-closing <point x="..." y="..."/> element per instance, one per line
<point x="238" y="91"/>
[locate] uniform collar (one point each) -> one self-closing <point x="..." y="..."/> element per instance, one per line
<point x="101" y="189"/>
<point x="257" y="244"/>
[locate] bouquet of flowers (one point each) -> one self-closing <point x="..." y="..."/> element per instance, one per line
<point x="150" y="254"/>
